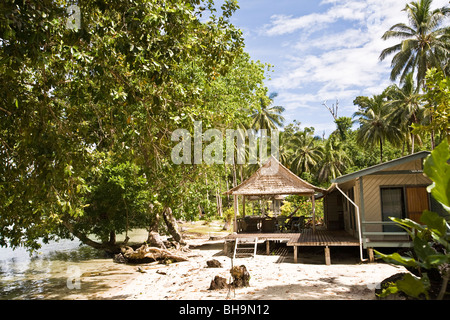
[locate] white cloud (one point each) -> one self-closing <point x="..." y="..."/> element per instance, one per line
<point x="282" y="24"/>
<point x="340" y="61"/>
<point x="349" y="38"/>
<point x="333" y="54"/>
<point x="351" y="10"/>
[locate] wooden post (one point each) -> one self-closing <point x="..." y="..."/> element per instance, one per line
<point x="295" y="254"/>
<point x="371" y="256"/>
<point x="327" y="256"/>
<point x="313" y="212"/>
<point x="236" y="212"/>
<point x="267" y="247"/>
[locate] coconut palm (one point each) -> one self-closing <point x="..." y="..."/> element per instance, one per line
<point x="375" y="124"/>
<point x="406" y="107"/>
<point x="306" y="151"/>
<point x="268" y="116"/>
<point x="334" y="161"/>
<point x="424" y="44"/>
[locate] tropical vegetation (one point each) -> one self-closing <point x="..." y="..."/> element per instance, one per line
<point x="87" y="114"/>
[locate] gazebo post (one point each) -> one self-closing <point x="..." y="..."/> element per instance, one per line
<point x="236" y="212"/>
<point x="313" y="201"/>
<point x="243" y="205"/>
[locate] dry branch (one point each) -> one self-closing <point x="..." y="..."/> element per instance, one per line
<point x="145" y="252"/>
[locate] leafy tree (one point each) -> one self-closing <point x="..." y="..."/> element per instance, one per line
<point x="118" y="200"/>
<point x="267" y="116"/>
<point x="437" y="106"/>
<point x="344" y="125"/>
<point x="424" y="44"/>
<point x="120" y="84"/>
<point x="306" y="151"/>
<point x="406" y="107"/>
<point x="334" y="161"/>
<point x="375" y="124"/>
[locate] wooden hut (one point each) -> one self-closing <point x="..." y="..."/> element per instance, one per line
<point x="362" y="202"/>
<point x="271" y="181"/>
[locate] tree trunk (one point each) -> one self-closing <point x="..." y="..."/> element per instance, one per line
<point x="154" y="239"/>
<point x="112" y="237"/>
<point x="219" y="203"/>
<point x="234" y="175"/>
<point x="381" y="150"/>
<point x="108" y="247"/>
<point x="172" y="225"/>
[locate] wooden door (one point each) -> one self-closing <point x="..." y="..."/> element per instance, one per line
<point x="417" y="200"/>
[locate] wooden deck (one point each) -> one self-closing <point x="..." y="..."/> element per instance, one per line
<point x="323" y="238"/>
<point x="263" y="236"/>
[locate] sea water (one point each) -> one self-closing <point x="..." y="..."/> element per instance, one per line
<point x="54" y="271"/>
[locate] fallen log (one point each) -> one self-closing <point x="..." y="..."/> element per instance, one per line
<point x="147" y="254"/>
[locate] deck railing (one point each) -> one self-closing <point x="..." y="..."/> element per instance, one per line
<point x="402" y="241"/>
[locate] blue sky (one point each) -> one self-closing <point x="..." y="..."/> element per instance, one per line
<point x="321" y="51"/>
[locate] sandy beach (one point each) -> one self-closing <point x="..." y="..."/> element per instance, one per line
<point x="272" y="277"/>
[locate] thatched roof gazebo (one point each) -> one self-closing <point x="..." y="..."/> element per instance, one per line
<point x="272" y="180"/>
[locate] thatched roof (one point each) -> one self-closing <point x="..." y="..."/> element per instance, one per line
<point x="274" y="179"/>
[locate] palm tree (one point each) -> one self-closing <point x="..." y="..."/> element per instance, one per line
<point x="407" y="108"/>
<point x="284" y="150"/>
<point x="268" y="116"/>
<point x="334" y="161"/>
<point x="424" y="44"/>
<point x="306" y="151"/>
<point x="376" y="125"/>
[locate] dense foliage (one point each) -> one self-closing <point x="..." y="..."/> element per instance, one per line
<point x="81" y="106"/>
<point x="88" y="105"/>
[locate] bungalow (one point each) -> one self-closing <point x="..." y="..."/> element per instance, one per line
<point x="357" y="206"/>
<point x="367" y="198"/>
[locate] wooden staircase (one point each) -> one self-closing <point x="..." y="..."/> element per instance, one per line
<point x="245" y="247"/>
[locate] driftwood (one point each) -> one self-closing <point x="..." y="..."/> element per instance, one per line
<point x="241" y="277"/>
<point x="146" y="254"/>
<point x="218" y="283"/>
<point x="213" y="263"/>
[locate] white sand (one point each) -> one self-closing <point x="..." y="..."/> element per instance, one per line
<point x="345" y="279"/>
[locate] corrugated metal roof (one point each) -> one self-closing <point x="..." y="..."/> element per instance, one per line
<point x="381" y="166"/>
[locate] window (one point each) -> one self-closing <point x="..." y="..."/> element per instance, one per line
<point x="392" y="205"/>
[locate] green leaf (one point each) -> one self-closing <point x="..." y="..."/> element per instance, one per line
<point x="392" y="289"/>
<point x="434" y="222"/>
<point x="423" y="249"/>
<point x="396" y="258"/>
<point x="413" y="286"/>
<point x="437" y="168"/>
<point x="437" y="259"/>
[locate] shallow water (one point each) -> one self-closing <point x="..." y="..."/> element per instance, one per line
<point x="60" y="270"/>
